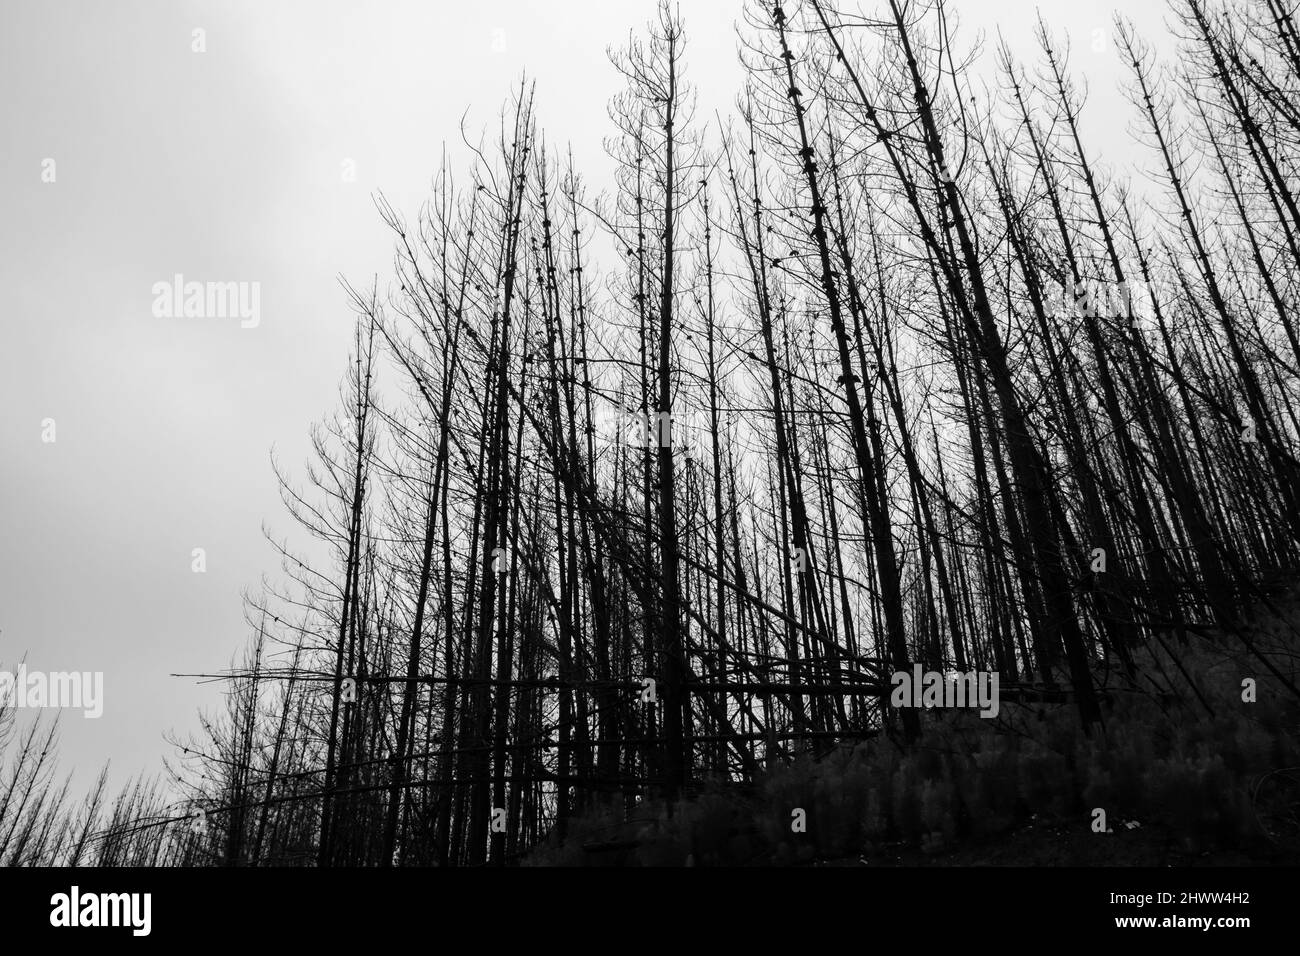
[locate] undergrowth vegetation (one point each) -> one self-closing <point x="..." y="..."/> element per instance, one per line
<point x="1220" y="771"/>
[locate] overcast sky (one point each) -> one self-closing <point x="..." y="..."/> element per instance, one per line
<point x="227" y="165"/>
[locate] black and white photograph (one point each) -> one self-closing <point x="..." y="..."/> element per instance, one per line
<point x="450" y="451"/>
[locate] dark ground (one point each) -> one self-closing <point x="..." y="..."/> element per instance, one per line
<point x="1072" y="845"/>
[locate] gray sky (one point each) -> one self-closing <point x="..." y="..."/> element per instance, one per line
<point x="227" y="165"/>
